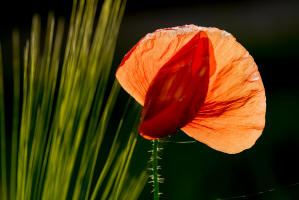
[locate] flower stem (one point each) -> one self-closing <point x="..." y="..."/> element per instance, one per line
<point x="155" y="170"/>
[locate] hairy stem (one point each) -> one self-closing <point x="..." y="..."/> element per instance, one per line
<point x="155" y="169"/>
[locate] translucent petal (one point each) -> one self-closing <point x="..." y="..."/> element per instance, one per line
<point x="142" y="63"/>
<point x="178" y="90"/>
<point x="233" y="114"/>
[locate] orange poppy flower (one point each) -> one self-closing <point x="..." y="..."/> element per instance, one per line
<point x="199" y="80"/>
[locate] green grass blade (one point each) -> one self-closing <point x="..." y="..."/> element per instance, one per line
<point x="16" y="112"/>
<point x="3" y="183"/>
<point x="63" y="111"/>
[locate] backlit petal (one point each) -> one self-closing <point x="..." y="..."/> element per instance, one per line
<point x="233" y="114"/>
<point x="143" y="62"/>
<point x="178" y="90"/>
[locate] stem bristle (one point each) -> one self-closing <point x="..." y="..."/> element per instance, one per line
<point x="155" y="176"/>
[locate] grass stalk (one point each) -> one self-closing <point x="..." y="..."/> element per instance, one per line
<point x="3" y="165"/>
<point x="16" y="112"/>
<point x="63" y="106"/>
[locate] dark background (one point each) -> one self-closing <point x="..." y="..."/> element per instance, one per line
<point x="269" y="30"/>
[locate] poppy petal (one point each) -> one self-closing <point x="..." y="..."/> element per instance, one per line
<point x="178" y="90"/>
<point x="233" y="115"/>
<point x="149" y="55"/>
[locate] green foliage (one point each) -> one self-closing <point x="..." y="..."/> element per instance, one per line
<point x="64" y="115"/>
